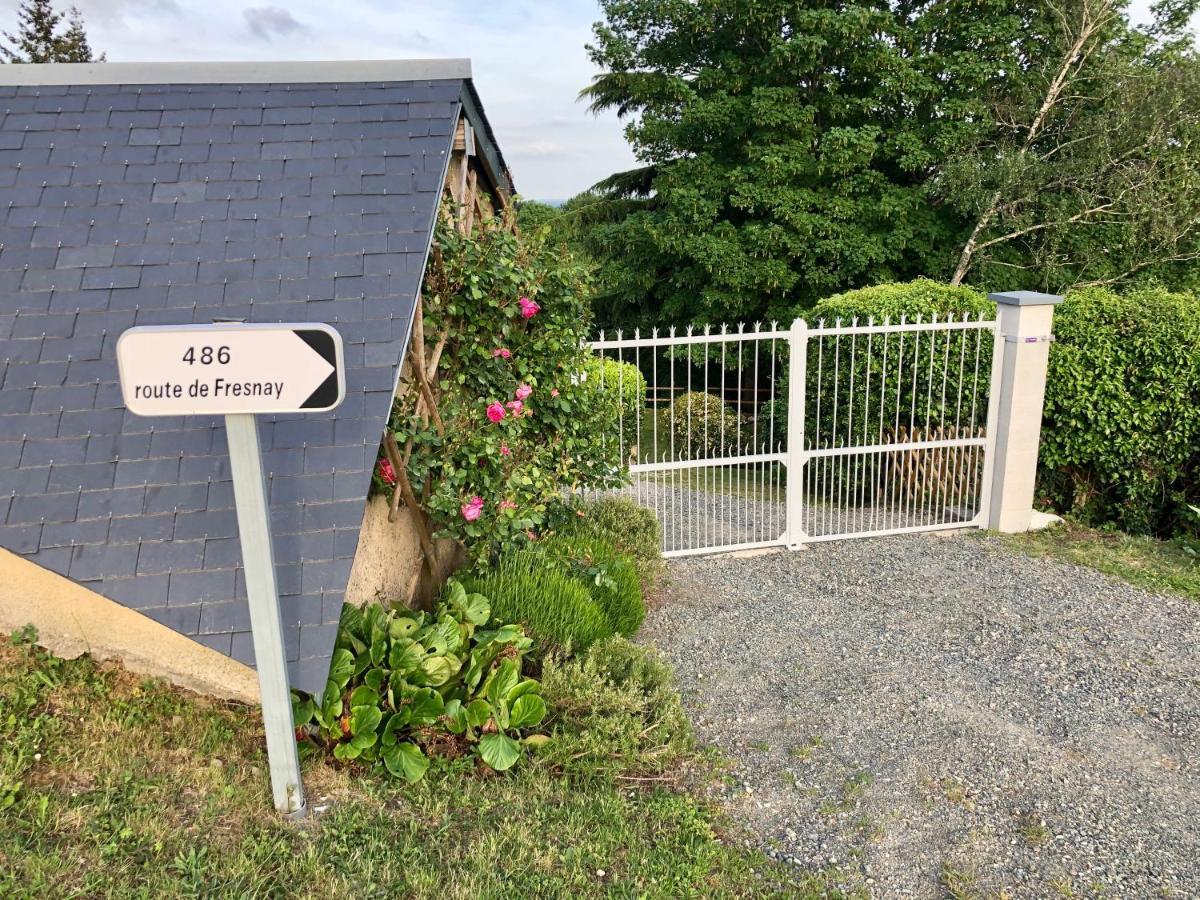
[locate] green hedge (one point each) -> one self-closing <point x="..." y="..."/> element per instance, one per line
<point x="1121" y="435"/>
<point x="873" y="363"/>
<point x="923" y="297"/>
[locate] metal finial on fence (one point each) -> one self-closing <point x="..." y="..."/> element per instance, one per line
<point x="854" y="322"/>
<point x="672" y="331"/>
<point x="689" y="331"/>
<point x="654" y="332"/>
<point x="724" y="328"/>
<point x="637" y="334"/>
<point x="620" y="332"/>
<point x="758" y="325"/>
<point x="741" y="327"/>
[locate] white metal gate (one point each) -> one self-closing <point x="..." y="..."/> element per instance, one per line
<point x="760" y="437"/>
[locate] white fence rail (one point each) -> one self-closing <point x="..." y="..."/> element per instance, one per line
<point x="755" y="437"/>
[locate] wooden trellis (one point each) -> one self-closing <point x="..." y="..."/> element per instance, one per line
<point x="465" y="206"/>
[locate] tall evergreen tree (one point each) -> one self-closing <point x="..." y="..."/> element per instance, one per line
<point x="39" y="40"/>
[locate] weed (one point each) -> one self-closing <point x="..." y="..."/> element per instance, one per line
<point x="804" y="752"/>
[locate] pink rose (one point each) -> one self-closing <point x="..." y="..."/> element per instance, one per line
<point x="504" y="451"/>
<point x="554" y="392"/>
<point x="507" y="504"/>
<point x="472" y="509"/>
<point x="523" y="392"/>
<point x="516" y="406"/>
<point x="529" y="309"/>
<point x="495" y="412"/>
<point x="502" y="352"/>
<point x="386" y="472"/>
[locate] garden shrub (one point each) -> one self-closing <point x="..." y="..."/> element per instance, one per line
<point x="404" y="683"/>
<point x="1121" y="440"/>
<point x="519" y="422"/>
<point x="609" y="381"/>
<point x="611" y="578"/>
<point x="922" y="297"/>
<point x="557" y="608"/>
<point x="614" y="709"/>
<point x="698" y="425"/>
<point x="632" y="530"/>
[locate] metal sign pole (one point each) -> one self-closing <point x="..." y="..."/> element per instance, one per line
<point x="270" y="658"/>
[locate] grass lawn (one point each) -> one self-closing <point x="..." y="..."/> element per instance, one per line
<point x="1146" y="562"/>
<point x="112" y="785"/>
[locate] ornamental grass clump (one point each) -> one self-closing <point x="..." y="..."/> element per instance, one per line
<point x="404" y="685"/>
<point x="611" y="578"/>
<point x="558" y="610"/>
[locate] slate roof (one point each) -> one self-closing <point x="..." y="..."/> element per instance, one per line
<point x="188" y="194"/>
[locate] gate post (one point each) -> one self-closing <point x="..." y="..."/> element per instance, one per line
<point x="797" y="381"/>
<point x="1024" y="320"/>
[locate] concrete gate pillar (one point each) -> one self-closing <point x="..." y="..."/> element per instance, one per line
<point x="1025" y="320"/>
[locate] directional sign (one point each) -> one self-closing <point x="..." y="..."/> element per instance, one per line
<point x="227" y="369"/>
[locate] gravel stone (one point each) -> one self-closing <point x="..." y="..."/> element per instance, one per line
<point x="932" y="714"/>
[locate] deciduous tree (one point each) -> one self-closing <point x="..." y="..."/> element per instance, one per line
<point x="790" y="150"/>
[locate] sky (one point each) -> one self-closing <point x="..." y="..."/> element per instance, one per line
<point x="528" y="56"/>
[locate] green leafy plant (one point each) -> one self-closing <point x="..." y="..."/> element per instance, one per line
<point x="556" y="607"/>
<point x="611" y="578"/>
<point x="610" y="382"/>
<point x="404" y="682"/>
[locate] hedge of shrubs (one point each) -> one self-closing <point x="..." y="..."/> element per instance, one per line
<point x="1121" y="433"/>
<point x="1121" y="439"/>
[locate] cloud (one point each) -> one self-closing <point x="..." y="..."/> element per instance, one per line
<point x="268" y="22"/>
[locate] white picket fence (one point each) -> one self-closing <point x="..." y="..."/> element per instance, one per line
<point x="761" y="437"/>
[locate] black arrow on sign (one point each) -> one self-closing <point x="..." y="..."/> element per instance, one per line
<point x="325" y="346"/>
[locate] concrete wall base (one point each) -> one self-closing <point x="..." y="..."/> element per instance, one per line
<point x="387" y="565"/>
<point x="71" y="621"/>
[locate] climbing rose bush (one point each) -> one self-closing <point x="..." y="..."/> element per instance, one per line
<point x="521" y="428"/>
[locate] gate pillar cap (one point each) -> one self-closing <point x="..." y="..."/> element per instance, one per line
<point x="1025" y="298"/>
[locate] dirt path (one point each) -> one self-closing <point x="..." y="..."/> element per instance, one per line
<point x="942" y="715"/>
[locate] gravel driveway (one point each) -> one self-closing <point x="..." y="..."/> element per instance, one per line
<point x="939" y="716"/>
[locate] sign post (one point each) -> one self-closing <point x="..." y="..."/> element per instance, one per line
<point x="238" y="371"/>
